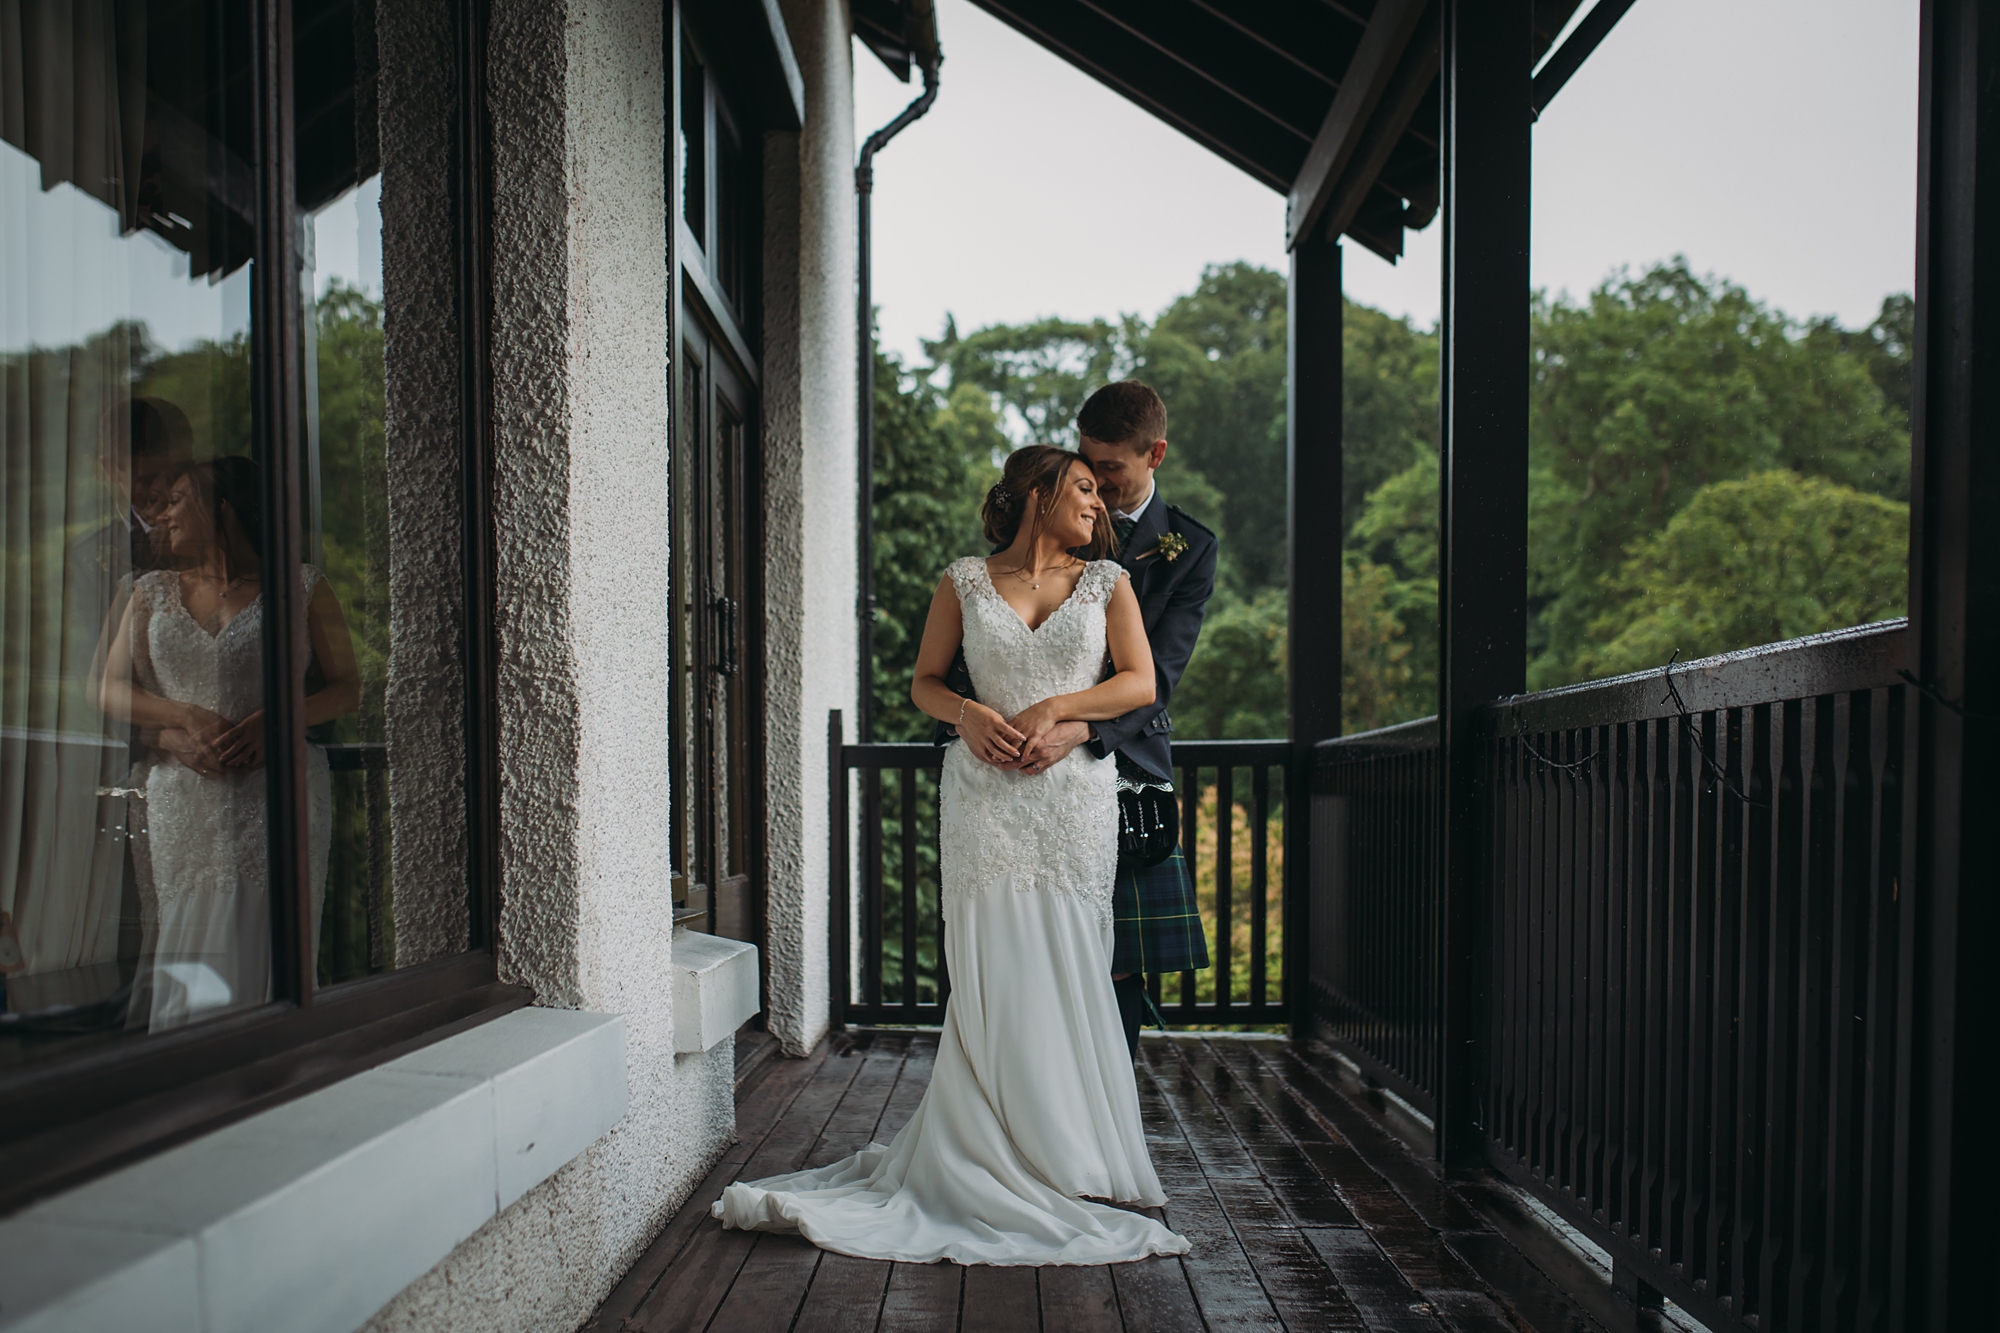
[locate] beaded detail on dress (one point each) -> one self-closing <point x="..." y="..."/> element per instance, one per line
<point x="1053" y="832"/>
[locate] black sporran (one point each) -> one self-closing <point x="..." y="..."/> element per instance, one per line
<point x="1149" y="816"/>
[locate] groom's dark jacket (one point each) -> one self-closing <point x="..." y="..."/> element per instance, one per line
<point x="1173" y="589"/>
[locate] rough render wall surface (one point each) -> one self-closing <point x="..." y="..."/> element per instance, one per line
<point x="810" y="476"/>
<point x="420" y="354"/>
<point x="579" y="345"/>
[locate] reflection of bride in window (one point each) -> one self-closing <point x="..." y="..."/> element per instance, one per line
<point x="188" y="660"/>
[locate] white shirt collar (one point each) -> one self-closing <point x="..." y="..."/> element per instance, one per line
<point x="1134" y="514"/>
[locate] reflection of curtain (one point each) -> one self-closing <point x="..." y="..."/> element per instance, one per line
<point x="73" y="94"/>
<point x="64" y="553"/>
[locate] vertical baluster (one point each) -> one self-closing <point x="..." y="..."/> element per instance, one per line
<point x="1774" y="1277"/>
<point x="1512" y="929"/>
<point x="841" y="878"/>
<point x="937" y="894"/>
<point x="378" y="912"/>
<point x="1623" y="985"/>
<point x="1659" y="867"/>
<point x="871" y="858"/>
<point x="1225" y="904"/>
<point x="908" y="786"/>
<point x="1816" y="1019"/>
<point x="1725" y="1020"/>
<point x="1260" y="907"/>
<point x="1190" y="827"/>
<point x="1599" y="998"/>
<point x="1846" y="997"/>
<point x="1695" y="1167"/>
<point x="1562" y="1068"/>
<point x="1754" y="1042"/>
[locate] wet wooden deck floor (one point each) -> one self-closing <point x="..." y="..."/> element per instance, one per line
<point x="1305" y="1211"/>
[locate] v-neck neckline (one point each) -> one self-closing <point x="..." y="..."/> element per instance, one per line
<point x="994" y="588"/>
<point x="180" y="600"/>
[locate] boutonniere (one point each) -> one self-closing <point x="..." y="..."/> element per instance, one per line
<point x="1170" y="547"/>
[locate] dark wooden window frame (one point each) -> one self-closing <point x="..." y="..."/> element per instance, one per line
<point x="73" y="1118"/>
<point x="735" y="334"/>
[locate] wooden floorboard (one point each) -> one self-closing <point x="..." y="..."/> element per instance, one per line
<point x="845" y="1296"/>
<point x="922" y="1298"/>
<point x="1003" y="1300"/>
<point x="1305" y="1209"/>
<point x="1079" y="1300"/>
<point x="1153" y="1294"/>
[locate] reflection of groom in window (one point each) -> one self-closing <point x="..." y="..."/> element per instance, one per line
<point x="146" y="443"/>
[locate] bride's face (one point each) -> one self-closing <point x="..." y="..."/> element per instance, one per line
<point x="1073" y="517"/>
<point x="189" y="529"/>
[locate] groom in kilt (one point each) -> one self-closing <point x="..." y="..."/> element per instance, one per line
<point x="1171" y="558"/>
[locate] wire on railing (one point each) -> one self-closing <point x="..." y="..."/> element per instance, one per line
<point x="1714" y="770"/>
<point x="1574" y="767"/>
<point x="1942" y="700"/>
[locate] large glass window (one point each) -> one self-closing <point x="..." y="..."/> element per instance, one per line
<point x="147" y="586"/>
<point x="134" y="889"/>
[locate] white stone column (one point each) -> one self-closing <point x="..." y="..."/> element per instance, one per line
<point x="576" y="92"/>
<point x="810" y="490"/>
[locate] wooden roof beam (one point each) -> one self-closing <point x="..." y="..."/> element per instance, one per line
<point x="1376" y="61"/>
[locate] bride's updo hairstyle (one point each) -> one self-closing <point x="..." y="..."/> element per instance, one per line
<point x="1029" y="484"/>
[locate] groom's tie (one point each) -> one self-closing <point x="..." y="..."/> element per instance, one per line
<point x="1123" y="528"/>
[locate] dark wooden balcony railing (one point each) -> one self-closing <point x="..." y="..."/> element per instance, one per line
<point x="1372" y="980"/>
<point x="888" y="939"/>
<point x="1698" y="983"/>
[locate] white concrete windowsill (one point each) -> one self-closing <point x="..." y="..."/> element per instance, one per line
<point x="715" y="988"/>
<point x="311" y="1216"/>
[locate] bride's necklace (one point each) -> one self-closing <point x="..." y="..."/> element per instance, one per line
<point x="1022" y="574"/>
<point x="228" y="585"/>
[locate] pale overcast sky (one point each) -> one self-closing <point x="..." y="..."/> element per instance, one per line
<point x="1770" y="141"/>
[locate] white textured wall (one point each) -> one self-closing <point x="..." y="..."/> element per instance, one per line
<point x="810" y="479"/>
<point x="576" y="92"/>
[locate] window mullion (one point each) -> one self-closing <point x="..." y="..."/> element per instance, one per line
<point x="276" y="416"/>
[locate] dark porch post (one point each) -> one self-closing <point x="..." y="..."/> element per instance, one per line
<point x="1483" y="522"/>
<point x="1313" y="490"/>
<point x="1955" y="615"/>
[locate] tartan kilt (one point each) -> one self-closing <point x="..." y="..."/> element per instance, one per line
<point x="1155" y="921"/>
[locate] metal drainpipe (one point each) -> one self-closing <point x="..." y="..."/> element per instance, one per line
<point x="864" y="186"/>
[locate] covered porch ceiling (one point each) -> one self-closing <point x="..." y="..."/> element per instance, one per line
<point x="1333" y="103"/>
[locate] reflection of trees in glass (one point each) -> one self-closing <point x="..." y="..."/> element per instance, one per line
<point x="354" y="544"/>
<point x="354" y="539"/>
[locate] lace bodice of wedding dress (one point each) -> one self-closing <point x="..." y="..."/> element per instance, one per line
<point x="206" y="836"/>
<point x="1053" y="832"/>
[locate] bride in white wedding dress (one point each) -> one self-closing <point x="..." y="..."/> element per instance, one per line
<point x="1032" y="1113"/>
<point x="186" y="666"/>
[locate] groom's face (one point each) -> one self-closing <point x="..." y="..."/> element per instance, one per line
<point x="1124" y="471"/>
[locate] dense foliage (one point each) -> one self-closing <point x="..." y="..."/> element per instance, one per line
<point x="1706" y="474"/>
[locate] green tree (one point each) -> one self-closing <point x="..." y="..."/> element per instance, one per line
<point x="934" y="460"/>
<point x="1038" y="373"/>
<point x="1389" y="406"/>
<point x="1234" y="686"/>
<point x="1769" y="557"/>
<point x="1217" y="357"/>
<point x="1655" y="388"/>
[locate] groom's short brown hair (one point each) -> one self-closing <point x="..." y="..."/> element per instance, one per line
<point x="1125" y="412"/>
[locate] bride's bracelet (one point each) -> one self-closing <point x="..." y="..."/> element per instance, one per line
<point x="963" y="701"/>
